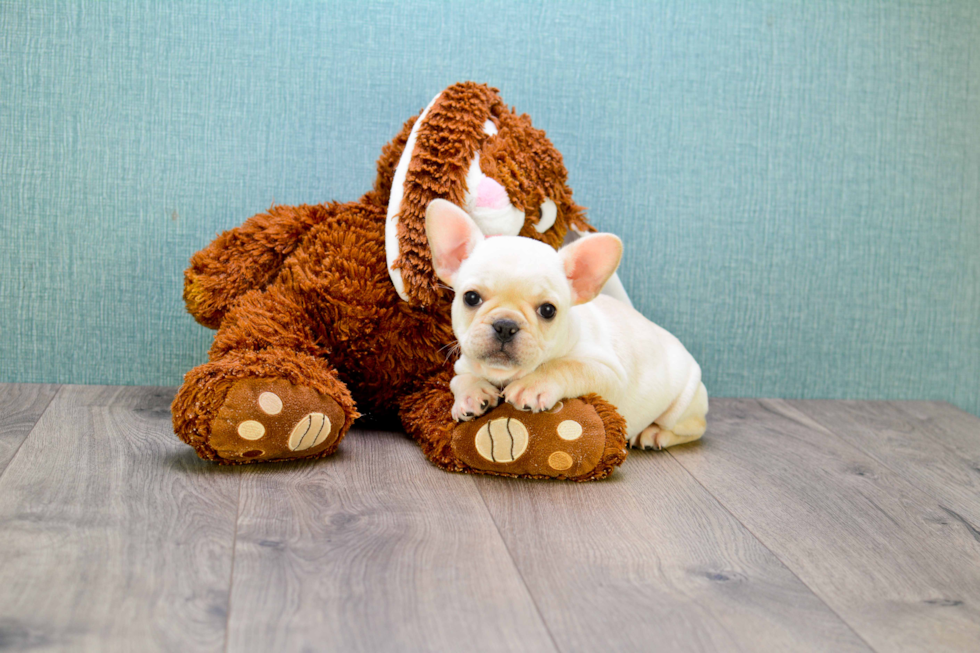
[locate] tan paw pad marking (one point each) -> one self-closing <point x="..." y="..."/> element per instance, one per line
<point x="309" y="432"/>
<point x="502" y="440"/>
<point x="569" y="430"/>
<point x="270" y="403"/>
<point x="484" y="445"/>
<point x="560" y="461"/>
<point x="251" y="430"/>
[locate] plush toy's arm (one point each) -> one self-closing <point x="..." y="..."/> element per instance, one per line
<point x="246" y="258"/>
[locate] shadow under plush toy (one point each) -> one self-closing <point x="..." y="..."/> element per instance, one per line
<point x="319" y="307"/>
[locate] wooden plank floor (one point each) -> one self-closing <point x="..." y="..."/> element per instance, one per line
<point x="794" y="525"/>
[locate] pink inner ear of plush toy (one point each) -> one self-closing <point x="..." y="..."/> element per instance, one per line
<point x="589" y="263"/>
<point x="491" y="194"/>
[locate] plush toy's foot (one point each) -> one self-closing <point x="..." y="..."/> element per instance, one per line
<point x="272" y="419"/>
<point x="571" y="441"/>
<point x="262" y="406"/>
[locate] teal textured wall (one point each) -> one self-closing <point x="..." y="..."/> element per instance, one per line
<point x="798" y="182"/>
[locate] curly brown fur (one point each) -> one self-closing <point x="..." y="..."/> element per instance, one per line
<point x="246" y="258"/>
<point x="615" y="451"/>
<point x="333" y="299"/>
<point x="423" y="414"/>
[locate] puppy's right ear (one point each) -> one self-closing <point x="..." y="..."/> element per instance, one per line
<point x="452" y="237"/>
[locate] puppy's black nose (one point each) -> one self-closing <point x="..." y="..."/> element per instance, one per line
<point x="505" y="330"/>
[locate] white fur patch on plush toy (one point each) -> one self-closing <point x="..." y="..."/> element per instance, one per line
<point x="488" y="204"/>
<point x="395" y="203"/>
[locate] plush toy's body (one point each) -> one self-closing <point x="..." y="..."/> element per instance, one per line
<point x="321" y="308"/>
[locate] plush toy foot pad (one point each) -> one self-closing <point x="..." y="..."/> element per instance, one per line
<point x="272" y="419"/>
<point x="566" y="442"/>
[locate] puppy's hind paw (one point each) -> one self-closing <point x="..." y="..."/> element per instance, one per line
<point x="654" y="437"/>
<point x="646" y="439"/>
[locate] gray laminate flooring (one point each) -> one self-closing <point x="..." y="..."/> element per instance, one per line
<point x="793" y="526"/>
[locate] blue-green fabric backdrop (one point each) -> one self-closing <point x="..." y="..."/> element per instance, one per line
<point x="798" y="182"/>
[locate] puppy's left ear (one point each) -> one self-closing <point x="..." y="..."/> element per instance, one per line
<point x="589" y="262"/>
<point x="452" y="237"/>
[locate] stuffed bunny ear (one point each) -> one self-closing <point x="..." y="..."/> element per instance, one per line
<point x="434" y="162"/>
<point x="589" y="262"/>
<point x="452" y="236"/>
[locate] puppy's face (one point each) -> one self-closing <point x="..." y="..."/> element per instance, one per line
<point x="512" y="308"/>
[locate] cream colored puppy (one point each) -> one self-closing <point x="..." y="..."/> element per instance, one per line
<point x="533" y="328"/>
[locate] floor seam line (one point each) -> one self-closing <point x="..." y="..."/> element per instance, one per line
<point x="936" y="442"/>
<point x="31" y="432"/>
<point x="234" y="548"/>
<point x="935" y="435"/>
<point x="517" y="569"/>
<point x="851" y="443"/>
<point x="774" y="554"/>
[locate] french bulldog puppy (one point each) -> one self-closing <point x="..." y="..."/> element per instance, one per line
<point x="533" y="329"/>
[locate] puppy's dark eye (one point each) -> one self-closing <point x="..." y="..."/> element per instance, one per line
<point x="547" y="311"/>
<point x="472" y="299"/>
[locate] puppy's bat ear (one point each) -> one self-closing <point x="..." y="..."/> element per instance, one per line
<point x="589" y="262"/>
<point x="452" y="237"/>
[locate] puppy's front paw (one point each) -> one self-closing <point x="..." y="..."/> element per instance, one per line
<point x="474" y="396"/>
<point x="533" y="392"/>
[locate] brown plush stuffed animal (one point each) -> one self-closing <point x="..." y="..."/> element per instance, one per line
<point x="319" y="307"/>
